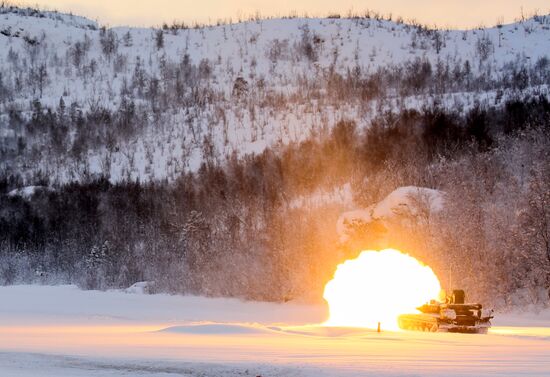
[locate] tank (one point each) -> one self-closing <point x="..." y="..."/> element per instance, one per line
<point x="454" y="315"/>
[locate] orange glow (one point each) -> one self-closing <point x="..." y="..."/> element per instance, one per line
<point x="455" y="13"/>
<point x="378" y="286"/>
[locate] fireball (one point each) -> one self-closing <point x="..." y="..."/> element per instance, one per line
<point x="377" y="287"/>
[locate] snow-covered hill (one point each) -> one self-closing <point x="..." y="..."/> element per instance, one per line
<point x="147" y="104"/>
<point x="58" y="18"/>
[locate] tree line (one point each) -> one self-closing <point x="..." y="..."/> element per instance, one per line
<point x="238" y="229"/>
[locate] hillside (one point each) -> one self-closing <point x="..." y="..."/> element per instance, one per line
<point x="250" y="159"/>
<point x="150" y="104"/>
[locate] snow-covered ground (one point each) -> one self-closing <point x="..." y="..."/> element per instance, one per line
<point x="62" y="331"/>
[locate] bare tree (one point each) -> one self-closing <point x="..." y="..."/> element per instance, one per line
<point x="38" y="78"/>
<point x="159" y="39"/>
<point x="109" y="42"/>
<point x="484" y="47"/>
<point x="128" y="40"/>
<point x="536" y="217"/>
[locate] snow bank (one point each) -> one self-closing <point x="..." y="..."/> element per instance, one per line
<point x="216" y="328"/>
<point x="404" y="200"/>
<point x="28" y="191"/>
<point x="141" y="287"/>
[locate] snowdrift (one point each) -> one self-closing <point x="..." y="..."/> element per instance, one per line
<point x="404" y="200"/>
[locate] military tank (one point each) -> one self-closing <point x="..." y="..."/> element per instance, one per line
<point x="453" y="315"/>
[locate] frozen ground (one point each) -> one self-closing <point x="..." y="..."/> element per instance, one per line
<point x="62" y="331"/>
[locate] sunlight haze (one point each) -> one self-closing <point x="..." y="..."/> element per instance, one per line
<point x="455" y="14"/>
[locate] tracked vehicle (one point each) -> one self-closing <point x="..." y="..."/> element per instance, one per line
<point x="454" y="315"/>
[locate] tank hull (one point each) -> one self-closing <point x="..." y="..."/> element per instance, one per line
<point x="418" y="322"/>
<point x="433" y="323"/>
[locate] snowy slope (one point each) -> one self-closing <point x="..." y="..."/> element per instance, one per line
<point x="263" y="52"/>
<point x="374" y="43"/>
<point x="32" y="15"/>
<point x="62" y="331"/>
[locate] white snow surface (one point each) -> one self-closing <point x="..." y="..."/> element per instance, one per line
<point x="27" y="191"/>
<point x="58" y="331"/>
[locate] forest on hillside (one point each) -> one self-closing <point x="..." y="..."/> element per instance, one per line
<point x="205" y="160"/>
<point x="79" y="100"/>
<point x="235" y="230"/>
